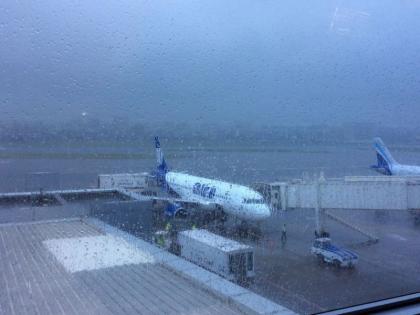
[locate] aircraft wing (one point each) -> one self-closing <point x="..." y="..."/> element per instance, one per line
<point x="187" y="202"/>
<point x="182" y="201"/>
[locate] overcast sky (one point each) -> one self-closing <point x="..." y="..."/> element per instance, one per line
<point x="291" y="62"/>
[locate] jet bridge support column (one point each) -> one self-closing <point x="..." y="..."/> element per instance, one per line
<point x="319" y="211"/>
<point x="283" y="197"/>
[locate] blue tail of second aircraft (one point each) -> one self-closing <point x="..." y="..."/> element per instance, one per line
<point x="162" y="167"/>
<point x="385" y="161"/>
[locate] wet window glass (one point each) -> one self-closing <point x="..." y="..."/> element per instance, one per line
<point x="159" y="157"/>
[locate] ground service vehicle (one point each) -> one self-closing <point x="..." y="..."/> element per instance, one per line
<point x="228" y="258"/>
<point x="326" y="252"/>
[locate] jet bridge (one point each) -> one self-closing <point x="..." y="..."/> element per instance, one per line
<point x="348" y="193"/>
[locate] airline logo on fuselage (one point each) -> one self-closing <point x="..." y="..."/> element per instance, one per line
<point x="204" y="190"/>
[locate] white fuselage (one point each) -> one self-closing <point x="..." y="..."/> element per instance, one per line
<point x="405" y="170"/>
<point x="237" y="200"/>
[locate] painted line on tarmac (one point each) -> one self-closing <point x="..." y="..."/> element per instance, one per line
<point x="397" y="237"/>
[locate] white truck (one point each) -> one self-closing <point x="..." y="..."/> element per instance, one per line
<point x="228" y="258"/>
<point x="326" y="252"/>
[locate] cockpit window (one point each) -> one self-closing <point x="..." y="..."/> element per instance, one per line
<point x="253" y="201"/>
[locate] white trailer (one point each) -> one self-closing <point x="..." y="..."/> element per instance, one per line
<point x="228" y="258"/>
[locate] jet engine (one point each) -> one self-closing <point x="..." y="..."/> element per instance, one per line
<point x="175" y="209"/>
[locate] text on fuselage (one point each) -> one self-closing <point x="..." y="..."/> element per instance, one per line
<point x="204" y="190"/>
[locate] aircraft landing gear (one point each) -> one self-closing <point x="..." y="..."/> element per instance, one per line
<point x="222" y="216"/>
<point x="247" y="231"/>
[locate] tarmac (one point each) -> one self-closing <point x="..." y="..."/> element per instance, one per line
<point x="288" y="274"/>
<point x="288" y="278"/>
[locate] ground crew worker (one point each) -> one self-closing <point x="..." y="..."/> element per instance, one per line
<point x="168" y="226"/>
<point x="161" y="240"/>
<point x="283" y="233"/>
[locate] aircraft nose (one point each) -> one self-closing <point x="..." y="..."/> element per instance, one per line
<point x="263" y="212"/>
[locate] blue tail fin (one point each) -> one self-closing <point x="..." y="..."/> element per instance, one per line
<point x="385" y="161"/>
<point x="162" y="168"/>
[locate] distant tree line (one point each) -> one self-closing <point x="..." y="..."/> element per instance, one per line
<point x="124" y="131"/>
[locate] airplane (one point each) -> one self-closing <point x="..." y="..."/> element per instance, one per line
<point x="387" y="165"/>
<point x="208" y="194"/>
